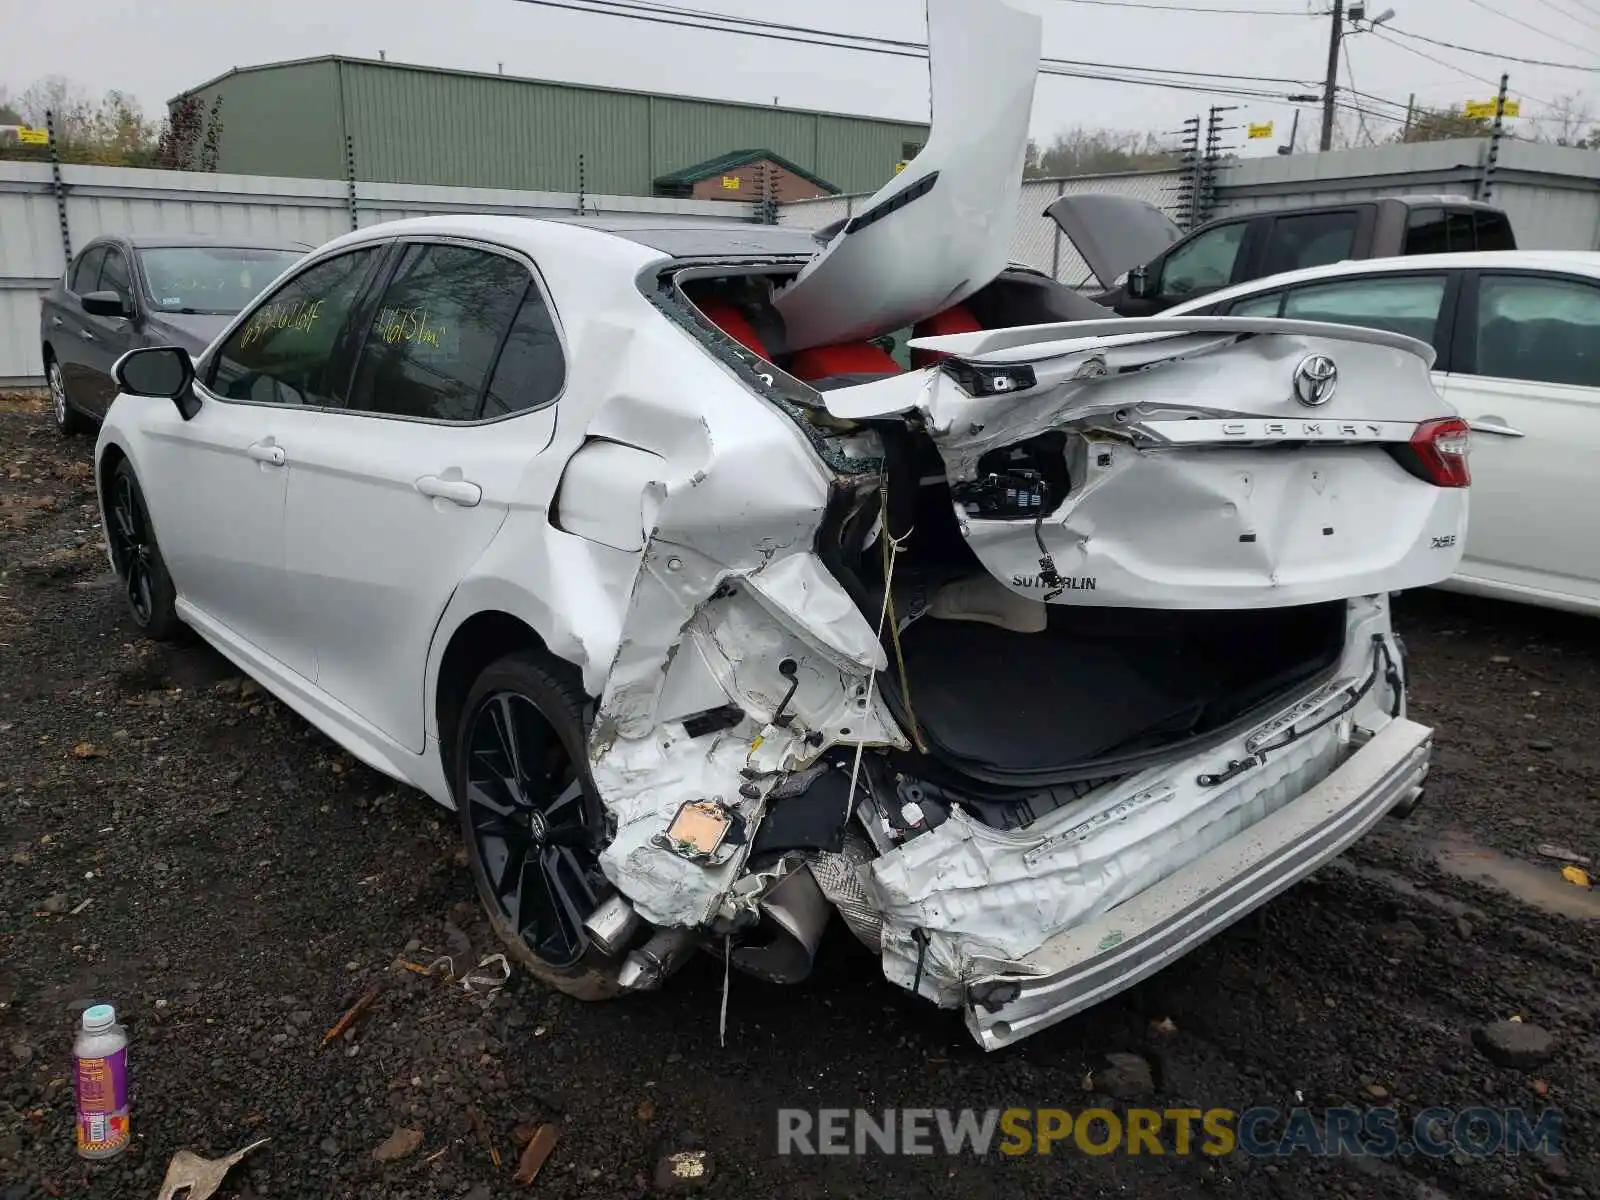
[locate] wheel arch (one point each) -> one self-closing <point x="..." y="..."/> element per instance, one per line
<point x="481" y="638"/>
<point x="111" y="456"/>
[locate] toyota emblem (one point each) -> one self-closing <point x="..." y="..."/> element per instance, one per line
<point x="1315" y="380"/>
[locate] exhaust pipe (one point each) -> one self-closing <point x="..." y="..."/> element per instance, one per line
<point x="794" y="914"/>
<point x="647" y="967"/>
<point x="611" y="926"/>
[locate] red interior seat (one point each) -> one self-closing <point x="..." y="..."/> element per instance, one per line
<point x="955" y="319"/>
<point x="851" y="358"/>
<point x="733" y="323"/>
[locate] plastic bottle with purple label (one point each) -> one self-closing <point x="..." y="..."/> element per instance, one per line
<point x="101" y="1082"/>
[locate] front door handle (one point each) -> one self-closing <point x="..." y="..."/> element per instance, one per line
<point x="456" y="491"/>
<point x="56" y="322"/>
<point x="1496" y="426"/>
<point x="86" y="335"/>
<point x="268" y="452"/>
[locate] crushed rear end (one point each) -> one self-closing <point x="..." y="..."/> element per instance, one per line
<point x="1038" y="658"/>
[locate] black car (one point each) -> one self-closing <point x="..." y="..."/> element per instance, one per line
<point x="122" y="292"/>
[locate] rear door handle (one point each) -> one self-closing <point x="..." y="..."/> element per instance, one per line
<point x="457" y="491"/>
<point x="57" y="322"/>
<point x="268" y="452"/>
<point x="86" y="335"/>
<point x="1490" y="425"/>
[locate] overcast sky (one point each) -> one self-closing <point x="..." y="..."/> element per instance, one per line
<point x="157" y="48"/>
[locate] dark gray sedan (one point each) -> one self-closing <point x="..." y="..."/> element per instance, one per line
<point x="122" y="292"/>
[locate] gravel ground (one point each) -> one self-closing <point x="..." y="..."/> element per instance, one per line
<point x="179" y="844"/>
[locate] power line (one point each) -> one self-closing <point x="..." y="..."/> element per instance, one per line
<point x="1554" y="37"/>
<point x="1494" y="83"/>
<point x="1550" y="4"/>
<point x="1532" y="62"/>
<point x="803" y="35"/>
<point x="1361" y="116"/>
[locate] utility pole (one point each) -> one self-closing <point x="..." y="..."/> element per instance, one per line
<point x="1492" y="158"/>
<point x="1331" y="83"/>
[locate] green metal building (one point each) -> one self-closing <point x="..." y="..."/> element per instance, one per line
<point x="410" y="124"/>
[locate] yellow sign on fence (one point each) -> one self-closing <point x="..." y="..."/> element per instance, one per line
<point x="33" y="137"/>
<point x="731" y="183"/>
<point x="1483" y="110"/>
<point x="1263" y="130"/>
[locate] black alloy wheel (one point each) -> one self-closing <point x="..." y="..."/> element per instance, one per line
<point x="137" y="557"/>
<point x="529" y="812"/>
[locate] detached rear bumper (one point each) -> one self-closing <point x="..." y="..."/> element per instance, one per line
<point x="1087" y="964"/>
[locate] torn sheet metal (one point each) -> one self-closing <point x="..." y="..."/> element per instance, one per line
<point x="1177" y="497"/>
<point x="942" y="228"/>
<point x="965" y="897"/>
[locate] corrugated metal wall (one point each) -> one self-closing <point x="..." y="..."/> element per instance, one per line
<point x="281" y="122"/>
<point x="119" y="200"/>
<point x="455" y="128"/>
<point x="1552" y="193"/>
<point x="686" y="132"/>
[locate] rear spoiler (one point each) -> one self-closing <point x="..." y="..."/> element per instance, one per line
<point x="1027" y="343"/>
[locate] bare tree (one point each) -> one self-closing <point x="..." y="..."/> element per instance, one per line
<point x="1568" y="121"/>
<point x="1439" y="125"/>
<point x="1082" y="151"/>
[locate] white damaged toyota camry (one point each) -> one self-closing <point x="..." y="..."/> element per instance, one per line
<point x="727" y="577"/>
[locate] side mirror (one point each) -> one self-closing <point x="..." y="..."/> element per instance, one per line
<point x="161" y="372"/>
<point x="1138" y="285"/>
<point x="106" y="304"/>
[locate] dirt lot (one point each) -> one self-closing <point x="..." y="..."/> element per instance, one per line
<point x="179" y="844"/>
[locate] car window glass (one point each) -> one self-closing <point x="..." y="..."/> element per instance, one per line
<point x="114" y="275"/>
<point x="213" y="280"/>
<point x="1494" y="231"/>
<point x="1204" y="263"/>
<point x="1425" y="232"/>
<point x="1312" y="240"/>
<point x="1257" y="306"/>
<point x="437" y="332"/>
<point x="86" y="275"/>
<point x="1461" y="230"/>
<point x="284" y="352"/>
<point x="1404" y="304"/>
<point x="1547" y="330"/>
<point x="531" y="370"/>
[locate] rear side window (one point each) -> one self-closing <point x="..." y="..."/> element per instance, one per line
<point x="1541" y="329"/>
<point x="86" y="273"/>
<point x="1311" y="240"/>
<point x="531" y="371"/>
<point x="1404" y="304"/>
<point x="1494" y="231"/>
<point x="1425" y="232"/>
<point x="287" y="351"/>
<point x="438" y="332"/>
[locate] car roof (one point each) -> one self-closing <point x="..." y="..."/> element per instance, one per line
<point x="152" y="241"/>
<point x="695" y="239"/>
<point x="636" y="238"/>
<point x="1582" y="262"/>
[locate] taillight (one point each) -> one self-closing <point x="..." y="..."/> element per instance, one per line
<point x="1437" y="452"/>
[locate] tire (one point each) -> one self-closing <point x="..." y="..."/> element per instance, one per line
<point x="533" y="827"/>
<point x="146" y="585"/>
<point x="69" y="421"/>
